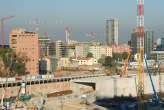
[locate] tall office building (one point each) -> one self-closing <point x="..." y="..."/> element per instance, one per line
<point x="148" y="41"/>
<point x="112" y="32"/>
<point x="26" y="42"/>
<point x="133" y="41"/>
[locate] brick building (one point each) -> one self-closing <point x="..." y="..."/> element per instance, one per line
<point x="26" y="42"/>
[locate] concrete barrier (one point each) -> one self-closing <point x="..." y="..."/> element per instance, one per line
<point x="115" y="86"/>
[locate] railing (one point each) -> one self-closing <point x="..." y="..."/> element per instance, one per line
<point x="46" y="80"/>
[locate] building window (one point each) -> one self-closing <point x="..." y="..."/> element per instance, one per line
<point x="14" y="35"/>
<point x="14" y="41"/>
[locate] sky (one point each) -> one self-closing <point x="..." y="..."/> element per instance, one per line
<point x="82" y="16"/>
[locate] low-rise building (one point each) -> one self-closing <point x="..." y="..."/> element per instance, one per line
<point x="47" y="65"/>
<point x="85" y="61"/>
<point x="157" y="55"/>
<point x="67" y="64"/>
<point x="106" y="51"/>
<point x="120" y="48"/>
<point x="64" y="62"/>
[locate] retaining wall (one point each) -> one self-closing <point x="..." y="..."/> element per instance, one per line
<point x="36" y="89"/>
<point x="116" y="86"/>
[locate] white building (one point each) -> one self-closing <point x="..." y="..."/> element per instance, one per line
<point x="159" y="41"/>
<point x="81" y="50"/>
<point x="85" y="61"/>
<point x="96" y="51"/>
<point x="157" y="55"/>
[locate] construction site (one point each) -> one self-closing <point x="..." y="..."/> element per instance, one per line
<point x="123" y="85"/>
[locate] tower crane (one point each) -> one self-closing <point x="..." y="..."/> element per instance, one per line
<point x="2" y="29"/>
<point x="140" y="53"/>
<point x="67" y="31"/>
<point x="45" y="34"/>
<point x="92" y="35"/>
<point x="37" y="25"/>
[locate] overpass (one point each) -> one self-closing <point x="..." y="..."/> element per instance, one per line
<point x="46" y="80"/>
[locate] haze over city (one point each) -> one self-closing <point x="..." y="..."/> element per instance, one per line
<point x="81" y="55"/>
<point x="82" y="16"/>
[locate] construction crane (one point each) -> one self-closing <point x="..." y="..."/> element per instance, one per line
<point x="2" y="29"/>
<point x="156" y="99"/>
<point x="140" y="53"/>
<point x="45" y="34"/>
<point x="37" y="25"/>
<point x="92" y="35"/>
<point x="67" y="31"/>
<point x="126" y="64"/>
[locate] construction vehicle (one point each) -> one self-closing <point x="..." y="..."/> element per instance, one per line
<point x="123" y="74"/>
<point x="156" y="99"/>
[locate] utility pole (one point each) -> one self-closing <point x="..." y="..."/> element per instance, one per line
<point x="2" y="29"/>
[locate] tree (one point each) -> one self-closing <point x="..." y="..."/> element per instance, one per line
<point x="119" y="56"/>
<point x="124" y="55"/>
<point x="116" y="56"/>
<point x="11" y="63"/>
<point x="101" y="61"/>
<point x="109" y="62"/>
<point x="89" y="54"/>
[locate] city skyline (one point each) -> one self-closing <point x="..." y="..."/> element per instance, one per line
<point x="82" y="17"/>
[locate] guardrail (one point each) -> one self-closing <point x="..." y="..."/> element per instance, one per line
<point x="45" y="80"/>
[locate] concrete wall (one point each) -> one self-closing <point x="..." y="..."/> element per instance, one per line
<point x="116" y="87"/>
<point x="36" y="89"/>
<point x="127" y="86"/>
<point x="105" y="86"/>
<point x="80" y="88"/>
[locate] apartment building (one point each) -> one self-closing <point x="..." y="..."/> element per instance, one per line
<point x="26" y="42"/>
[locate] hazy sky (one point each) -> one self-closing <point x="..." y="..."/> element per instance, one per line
<point x="82" y="16"/>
